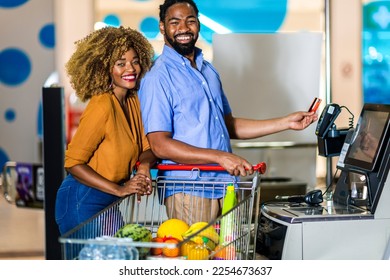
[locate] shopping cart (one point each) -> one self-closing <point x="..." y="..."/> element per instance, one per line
<point x="151" y="212"/>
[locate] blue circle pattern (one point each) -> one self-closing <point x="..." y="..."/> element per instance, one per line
<point x="15" y="66"/>
<point x="46" y="36"/>
<point x="112" y="20"/>
<point x="262" y="16"/>
<point x="149" y="26"/>
<point x="10" y="115"/>
<point x="11" y="3"/>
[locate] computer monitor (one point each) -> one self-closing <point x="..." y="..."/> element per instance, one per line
<point x="370" y="138"/>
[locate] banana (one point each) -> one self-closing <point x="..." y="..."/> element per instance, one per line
<point x="194" y="228"/>
<point x="211" y="234"/>
<point x="200" y="227"/>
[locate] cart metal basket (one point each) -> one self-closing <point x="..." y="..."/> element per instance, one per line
<point x="98" y="231"/>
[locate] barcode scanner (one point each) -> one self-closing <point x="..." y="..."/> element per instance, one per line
<point x="312" y="198"/>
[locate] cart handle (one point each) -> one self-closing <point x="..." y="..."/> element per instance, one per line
<point x="260" y="167"/>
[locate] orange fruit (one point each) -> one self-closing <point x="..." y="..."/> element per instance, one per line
<point x="171" y="252"/>
<point x="172" y="228"/>
<point x="157" y="251"/>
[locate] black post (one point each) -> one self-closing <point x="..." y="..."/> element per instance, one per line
<point x="53" y="163"/>
<point x="328" y="93"/>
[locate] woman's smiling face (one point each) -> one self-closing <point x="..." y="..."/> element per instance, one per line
<point x="126" y="70"/>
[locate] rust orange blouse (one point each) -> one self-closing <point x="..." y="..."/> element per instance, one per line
<point x="105" y="141"/>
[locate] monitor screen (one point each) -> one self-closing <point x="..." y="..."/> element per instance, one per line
<point x="370" y="135"/>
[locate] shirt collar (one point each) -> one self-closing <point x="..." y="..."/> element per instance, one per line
<point x="174" y="55"/>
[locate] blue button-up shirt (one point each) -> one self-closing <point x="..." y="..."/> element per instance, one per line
<point x="189" y="103"/>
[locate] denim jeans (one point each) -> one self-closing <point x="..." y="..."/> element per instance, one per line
<point x="75" y="203"/>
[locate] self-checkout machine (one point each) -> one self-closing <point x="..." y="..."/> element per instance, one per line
<point x="355" y="223"/>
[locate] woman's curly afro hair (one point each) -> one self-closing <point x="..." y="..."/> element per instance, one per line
<point x="89" y="67"/>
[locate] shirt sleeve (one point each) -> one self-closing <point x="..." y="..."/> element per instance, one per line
<point x="156" y="107"/>
<point x="225" y="103"/>
<point x="88" y="136"/>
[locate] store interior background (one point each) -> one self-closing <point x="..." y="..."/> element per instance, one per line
<point x="38" y="40"/>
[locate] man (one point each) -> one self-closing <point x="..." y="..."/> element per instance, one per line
<point x="187" y="116"/>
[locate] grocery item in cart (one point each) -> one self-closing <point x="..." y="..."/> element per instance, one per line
<point x="186" y="247"/>
<point x="151" y="214"/>
<point x="108" y="248"/>
<point x="171" y="252"/>
<point x="172" y="228"/>
<point x="137" y="233"/>
<point x="203" y="229"/>
<point x="199" y="251"/>
<point x="226" y="234"/>
<point x="156" y="251"/>
<point x="225" y="252"/>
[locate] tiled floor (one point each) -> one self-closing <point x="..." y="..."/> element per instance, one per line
<point x="21" y="232"/>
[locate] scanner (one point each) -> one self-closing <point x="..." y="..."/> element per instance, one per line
<point x="312" y="198"/>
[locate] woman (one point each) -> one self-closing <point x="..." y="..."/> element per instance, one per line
<point x="105" y="70"/>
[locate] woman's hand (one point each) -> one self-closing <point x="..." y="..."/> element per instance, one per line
<point x="139" y="185"/>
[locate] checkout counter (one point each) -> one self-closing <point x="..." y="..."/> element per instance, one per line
<point x="355" y="223"/>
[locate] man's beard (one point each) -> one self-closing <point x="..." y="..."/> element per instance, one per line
<point x="183" y="49"/>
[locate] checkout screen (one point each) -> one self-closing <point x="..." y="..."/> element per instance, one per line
<point x="368" y="136"/>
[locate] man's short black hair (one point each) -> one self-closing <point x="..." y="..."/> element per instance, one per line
<point x="168" y="3"/>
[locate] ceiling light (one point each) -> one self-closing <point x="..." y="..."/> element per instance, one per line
<point x="213" y="25"/>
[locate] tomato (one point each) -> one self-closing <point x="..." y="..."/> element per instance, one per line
<point x="157" y="251"/>
<point x="171" y="252"/>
